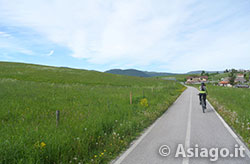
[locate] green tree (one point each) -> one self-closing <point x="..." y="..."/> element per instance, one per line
<point x="247" y="76"/>
<point x="234" y="71"/>
<point x="202" y="73"/>
<point x="232" y="78"/>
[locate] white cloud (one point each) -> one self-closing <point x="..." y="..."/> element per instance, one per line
<point x="50" y="53"/>
<point x="4" y="34"/>
<point x="175" y="35"/>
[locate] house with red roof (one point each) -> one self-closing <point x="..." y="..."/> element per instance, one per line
<point x="225" y="84"/>
<point x="196" y="79"/>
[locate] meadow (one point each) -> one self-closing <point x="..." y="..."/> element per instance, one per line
<point x="234" y="106"/>
<point x="97" y="120"/>
<point x="179" y="77"/>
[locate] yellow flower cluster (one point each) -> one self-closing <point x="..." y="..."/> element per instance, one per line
<point x="40" y="145"/>
<point x="182" y="89"/>
<point x="144" y="102"/>
<point x="101" y="154"/>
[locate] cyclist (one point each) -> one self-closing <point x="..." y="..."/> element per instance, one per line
<point x="203" y="93"/>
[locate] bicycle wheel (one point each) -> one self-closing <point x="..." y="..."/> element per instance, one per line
<point x="203" y="106"/>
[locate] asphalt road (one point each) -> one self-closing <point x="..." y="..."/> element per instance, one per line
<point x="184" y="123"/>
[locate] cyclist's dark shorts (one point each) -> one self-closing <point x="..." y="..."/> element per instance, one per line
<point x="204" y="96"/>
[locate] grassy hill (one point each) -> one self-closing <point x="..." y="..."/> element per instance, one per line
<point x="134" y="72"/>
<point x="180" y="77"/>
<point x="129" y="72"/>
<point x="97" y="120"/>
<point x="217" y="77"/>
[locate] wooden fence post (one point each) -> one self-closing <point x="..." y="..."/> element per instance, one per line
<point x="57" y="117"/>
<point x="130" y="97"/>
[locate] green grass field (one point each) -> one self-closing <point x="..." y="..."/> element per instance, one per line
<point x="96" y="123"/>
<point x="234" y="106"/>
<point x="217" y="77"/>
<point x="179" y="77"/>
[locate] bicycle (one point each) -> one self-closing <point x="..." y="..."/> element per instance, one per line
<point x="203" y="105"/>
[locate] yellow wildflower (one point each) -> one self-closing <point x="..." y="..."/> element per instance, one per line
<point x="42" y="144"/>
<point x="144" y="102"/>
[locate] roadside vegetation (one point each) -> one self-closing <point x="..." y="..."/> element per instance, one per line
<point x="97" y="120"/>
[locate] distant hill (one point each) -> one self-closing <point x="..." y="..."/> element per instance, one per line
<point x="129" y="72"/>
<point x="200" y="71"/>
<point x="134" y="72"/>
<point x="152" y="74"/>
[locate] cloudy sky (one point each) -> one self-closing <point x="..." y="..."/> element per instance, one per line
<point x="153" y="35"/>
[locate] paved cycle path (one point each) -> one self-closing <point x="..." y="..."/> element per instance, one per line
<point x="184" y="123"/>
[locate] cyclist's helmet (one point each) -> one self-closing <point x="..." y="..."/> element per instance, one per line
<point x="202" y="83"/>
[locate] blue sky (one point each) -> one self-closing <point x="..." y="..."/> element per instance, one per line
<point x="153" y="35"/>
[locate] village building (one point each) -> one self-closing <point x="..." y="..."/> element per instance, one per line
<point x="196" y="79"/>
<point x="240" y="75"/>
<point x="240" y="79"/>
<point x="225" y="84"/>
<point x="227" y="79"/>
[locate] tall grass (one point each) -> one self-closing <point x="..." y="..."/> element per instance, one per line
<point x="96" y="121"/>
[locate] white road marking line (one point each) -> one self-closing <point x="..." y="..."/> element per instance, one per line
<point x="188" y="134"/>
<point x="128" y="151"/>
<point x="180" y="96"/>
<point x="231" y="131"/>
<point x="136" y="142"/>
